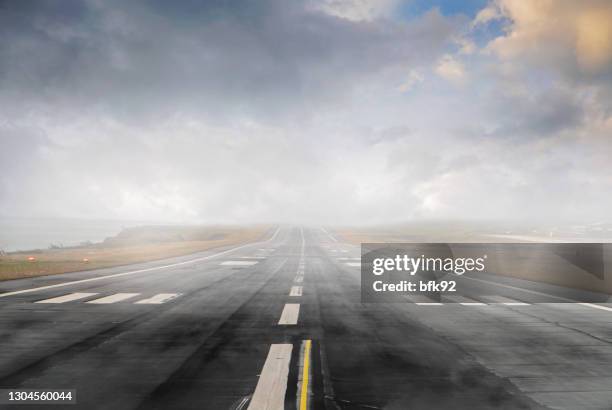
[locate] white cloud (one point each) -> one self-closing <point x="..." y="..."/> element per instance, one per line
<point x="356" y="10"/>
<point x="414" y="78"/>
<point x="573" y="35"/>
<point x="451" y="70"/>
<point x="487" y="14"/>
<point x="277" y="113"/>
<point x="466" y="46"/>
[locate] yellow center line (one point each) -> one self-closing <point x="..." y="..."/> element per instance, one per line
<point x="305" y="375"/>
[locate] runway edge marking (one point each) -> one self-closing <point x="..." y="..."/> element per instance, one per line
<point x="116" y="275"/>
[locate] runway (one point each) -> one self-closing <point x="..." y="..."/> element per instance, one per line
<point x="279" y="324"/>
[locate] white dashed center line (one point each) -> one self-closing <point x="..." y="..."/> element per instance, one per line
<point x="296" y="291"/>
<point x="290" y="314"/>
<point x="272" y="385"/>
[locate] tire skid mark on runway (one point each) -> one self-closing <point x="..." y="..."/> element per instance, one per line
<point x="368" y="383"/>
<point x="36" y="367"/>
<point x="184" y="374"/>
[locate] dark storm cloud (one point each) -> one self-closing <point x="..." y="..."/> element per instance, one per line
<point x="223" y="58"/>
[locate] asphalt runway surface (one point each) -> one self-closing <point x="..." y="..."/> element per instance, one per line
<point x="279" y="324"/>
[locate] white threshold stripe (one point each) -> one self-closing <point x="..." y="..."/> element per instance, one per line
<point x="117" y="297"/>
<point x="592" y="305"/>
<point x="238" y="263"/>
<point x="290" y="314"/>
<point x="505" y="301"/>
<point x="158" y="299"/>
<point x="67" y="298"/>
<point x="116" y="275"/>
<point x="296" y="291"/>
<point x="464" y="301"/>
<point x="272" y="385"/>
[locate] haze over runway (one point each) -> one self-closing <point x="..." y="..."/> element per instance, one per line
<point x="192" y="127"/>
<point x="235" y="328"/>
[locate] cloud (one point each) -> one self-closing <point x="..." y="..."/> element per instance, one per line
<point x="537" y="115"/>
<point x="413" y="78"/>
<point x="575" y="37"/>
<point x="451" y="70"/>
<point x="226" y="60"/>
<point x="327" y="112"/>
<point x="357" y="10"/>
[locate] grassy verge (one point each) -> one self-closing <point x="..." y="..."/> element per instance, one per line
<point x="130" y="246"/>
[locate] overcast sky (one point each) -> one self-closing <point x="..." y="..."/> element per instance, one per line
<point x="322" y="111"/>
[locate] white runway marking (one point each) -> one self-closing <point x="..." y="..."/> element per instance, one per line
<point x="296" y="291"/>
<point x="272" y="385"/>
<point x="67" y="298"/>
<point x="505" y="301"/>
<point x="117" y="297"/>
<point x="274" y="236"/>
<point x="116" y="275"/>
<point x="158" y="299"/>
<point x="609" y="309"/>
<point x="353" y="264"/>
<point x="329" y="234"/>
<point x="299" y="279"/>
<point x="462" y="300"/>
<point x="253" y="257"/>
<point x="238" y="263"/>
<point x="345" y="258"/>
<point x="290" y="314"/>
